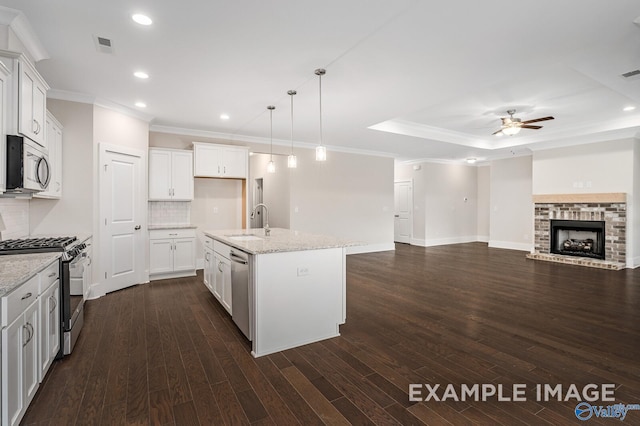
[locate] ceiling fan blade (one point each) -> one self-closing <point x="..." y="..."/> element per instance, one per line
<point x="535" y="120"/>
<point x="525" y="126"/>
<point x="496" y="132"/>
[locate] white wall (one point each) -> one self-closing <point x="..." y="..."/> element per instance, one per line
<point x="348" y="196"/>
<point x="15" y="215"/>
<point x="633" y="260"/>
<point x="445" y="202"/>
<point x="484" y="202"/>
<point x="73" y="213"/>
<point x="276" y="187"/>
<point x="595" y="168"/>
<point x="511" y="223"/>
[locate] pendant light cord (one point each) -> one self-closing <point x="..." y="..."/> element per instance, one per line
<point x="291" y="92"/>
<point x="320" y="88"/>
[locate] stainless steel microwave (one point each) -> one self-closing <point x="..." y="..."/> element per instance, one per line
<point x="28" y="167"/>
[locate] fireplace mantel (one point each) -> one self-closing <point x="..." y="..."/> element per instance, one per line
<point x="607" y="197"/>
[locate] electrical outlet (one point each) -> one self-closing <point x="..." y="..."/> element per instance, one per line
<point x="215" y="210"/>
<point x="303" y="270"/>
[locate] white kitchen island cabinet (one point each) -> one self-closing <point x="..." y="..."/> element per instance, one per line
<point x="296" y="287"/>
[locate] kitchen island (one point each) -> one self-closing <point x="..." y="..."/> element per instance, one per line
<point x="294" y="290"/>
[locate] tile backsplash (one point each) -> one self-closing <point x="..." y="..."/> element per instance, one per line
<point x="169" y="212"/>
<point x="15" y="215"/>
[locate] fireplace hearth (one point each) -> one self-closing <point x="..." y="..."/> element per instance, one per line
<point x="583" y="238"/>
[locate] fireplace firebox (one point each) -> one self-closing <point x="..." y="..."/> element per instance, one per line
<point x="583" y="238"/>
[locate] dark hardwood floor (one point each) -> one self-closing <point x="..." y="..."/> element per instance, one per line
<point x="167" y="353"/>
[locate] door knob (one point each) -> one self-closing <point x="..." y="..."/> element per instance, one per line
<point x="137" y="227"/>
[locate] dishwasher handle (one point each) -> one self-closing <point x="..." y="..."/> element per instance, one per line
<point x="238" y="259"/>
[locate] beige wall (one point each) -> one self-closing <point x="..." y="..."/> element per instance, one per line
<point x="484" y="202"/>
<point x="73" y="213"/>
<point x="276" y="188"/>
<point x="511" y="223"/>
<point x="445" y="202"/>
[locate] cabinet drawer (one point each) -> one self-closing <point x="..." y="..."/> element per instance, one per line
<point x="49" y="276"/>
<point x="16" y="302"/>
<point x="221" y="249"/>
<point x="161" y="234"/>
<point x="208" y="243"/>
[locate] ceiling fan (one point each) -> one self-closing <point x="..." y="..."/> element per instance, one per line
<point x="512" y="125"/>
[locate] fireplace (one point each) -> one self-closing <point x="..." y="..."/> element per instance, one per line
<point x="583" y="238"/>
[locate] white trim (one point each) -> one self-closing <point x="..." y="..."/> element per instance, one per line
<point x="528" y="247"/>
<point x="634" y="263"/>
<point x="370" y="248"/>
<point x="418" y="242"/>
<point x="64" y="95"/>
<point x="482" y="238"/>
<point x="260" y="140"/>
<point x="19" y="24"/>
<point x="450" y="240"/>
<point x="199" y="263"/>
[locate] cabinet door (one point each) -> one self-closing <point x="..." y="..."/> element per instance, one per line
<point x="182" y="176"/>
<point x="160" y="256"/>
<point x="87" y="275"/>
<point x="184" y="254"/>
<point x="208" y="262"/>
<point x="235" y="163"/>
<point x="159" y="175"/>
<point x="30" y="354"/>
<point x="226" y="284"/>
<point x="49" y="328"/>
<point x="218" y="276"/>
<point x="207" y="160"/>
<point x="32" y="105"/>
<point x="14" y="337"/>
<point x="53" y="136"/>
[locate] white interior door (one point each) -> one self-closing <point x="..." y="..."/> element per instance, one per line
<point x="403" y="212"/>
<point x="122" y="216"/>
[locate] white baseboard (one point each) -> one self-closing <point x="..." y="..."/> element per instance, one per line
<point x="634" y="263"/>
<point x="483" y="238"/>
<point x="200" y="263"/>
<point x="371" y="248"/>
<point x="418" y="242"/>
<point x="510" y="245"/>
<point x="451" y="240"/>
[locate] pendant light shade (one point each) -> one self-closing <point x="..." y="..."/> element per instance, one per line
<point x="292" y="160"/>
<point x="321" y="150"/>
<point x="271" y="167"/>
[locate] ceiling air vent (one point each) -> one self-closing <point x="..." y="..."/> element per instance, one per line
<point x="632" y="75"/>
<point x="103" y="44"/>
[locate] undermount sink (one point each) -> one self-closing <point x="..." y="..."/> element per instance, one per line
<point x="244" y="237"/>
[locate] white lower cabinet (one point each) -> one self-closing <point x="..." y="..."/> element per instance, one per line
<point x="20" y="357"/>
<point x="217" y="271"/>
<point x="172" y="253"/>
<point x="49" y="306"/>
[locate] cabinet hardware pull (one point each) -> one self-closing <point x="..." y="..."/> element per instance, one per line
<point x="137" y="227"/>
<point x="26" y="296"/>
<point x="218" y="169"/>
<point x="55" y="304"/>
<point x="220" y="266"/>
<point x="28" y="338"/>
<point x="53" y="274"/>
<point x="225" y="170"/>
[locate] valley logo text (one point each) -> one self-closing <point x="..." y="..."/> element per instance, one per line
<point x="517" y="392"/>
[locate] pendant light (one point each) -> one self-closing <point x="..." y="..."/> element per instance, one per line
<point x="292" y="161"/>
<point x="321" y="150"/>
<point x="271" y="167"/>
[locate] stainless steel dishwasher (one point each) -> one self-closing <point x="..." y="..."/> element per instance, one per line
<point x="240" y="290"/>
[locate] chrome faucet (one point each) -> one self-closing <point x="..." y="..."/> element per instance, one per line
<point x="267" y="230"/>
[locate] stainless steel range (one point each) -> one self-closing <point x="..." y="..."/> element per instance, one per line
<point x="72" y="263"/>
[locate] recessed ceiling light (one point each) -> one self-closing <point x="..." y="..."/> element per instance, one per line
<point x="471" y="160"/>
<point x="142" y="19"/>
<point x="629" y="108"/>
<point x="224" y="116"/>
<point x="141" y="74"/>
<point x="141" y="105"/>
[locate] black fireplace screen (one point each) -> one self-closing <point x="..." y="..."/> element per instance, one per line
<point x="584" y="238"/>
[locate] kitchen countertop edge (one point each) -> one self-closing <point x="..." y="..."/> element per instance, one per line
<point x="280" y="241"/>
<point x="17" y="269"/>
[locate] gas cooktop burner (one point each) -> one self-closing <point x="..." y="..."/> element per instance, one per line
<point x="35" y="245"/>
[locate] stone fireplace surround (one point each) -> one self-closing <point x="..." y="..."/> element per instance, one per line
<point x="610" y="208"/>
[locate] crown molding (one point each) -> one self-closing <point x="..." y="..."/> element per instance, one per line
<point x="17" y="21"/>
<point x="260" y="140"/>
<point x="82" y="98"/>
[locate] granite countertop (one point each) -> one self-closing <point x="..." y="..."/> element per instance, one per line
<point x="181" y="226"/>
<point x="280" y="240"/>
<point x="16" y="269"/>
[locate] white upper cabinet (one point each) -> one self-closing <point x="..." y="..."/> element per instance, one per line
<point x="53" y="136"/>
<point x="220" y="161"/>
<point x="32" y="103"/>
<point x="170" y="175"/>
<point x="4" y="88"/>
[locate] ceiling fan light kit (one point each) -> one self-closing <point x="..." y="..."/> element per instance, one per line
<point x="511" y="125"/>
